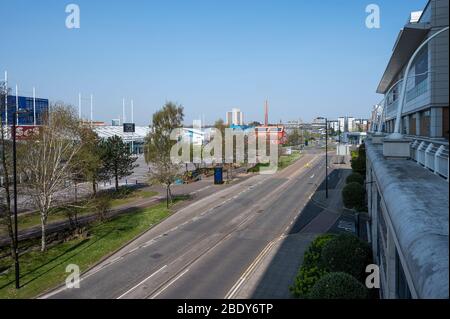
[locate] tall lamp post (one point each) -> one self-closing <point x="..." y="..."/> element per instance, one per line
<point x="326" y="155"/>
<point x="16" y="232"/>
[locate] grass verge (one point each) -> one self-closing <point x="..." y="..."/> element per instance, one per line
<point x="42" y="271"/>
<point x="116" y="199"/>
<point x="283" y="162"/>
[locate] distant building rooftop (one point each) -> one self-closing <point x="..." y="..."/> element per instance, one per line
<point x="108" y="131"/>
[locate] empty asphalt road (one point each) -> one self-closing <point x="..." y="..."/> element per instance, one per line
<point x="203" y="250"/>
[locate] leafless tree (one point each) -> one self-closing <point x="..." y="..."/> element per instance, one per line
<point x="47" y="160"/>
<point x="165" y="172"/>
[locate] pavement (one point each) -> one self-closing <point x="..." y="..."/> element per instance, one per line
<point x="278" y="267"/>
<point x="203" y="249"/>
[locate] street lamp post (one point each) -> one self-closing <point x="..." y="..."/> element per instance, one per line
<point x="16" y="231"/>
<point x="16" y="237"/>
<point x="326" y="154"/>
<point x="326" y="158"/>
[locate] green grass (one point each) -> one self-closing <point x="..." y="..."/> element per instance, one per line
<point x="139" y="194"/>
<point x="117" y="199"/>
<point x="283" y="162"/>
<point x="42" y="271"/>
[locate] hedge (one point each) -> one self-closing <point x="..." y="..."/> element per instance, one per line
<point x="338" y="285"/>
<point x="353" y="196"/>
<point x="346" y="253"/>
<point x="305" y="280"/>
<point x="355" y="178"/>
<point x="310" y="271"/>
<point x="358" y="163"/>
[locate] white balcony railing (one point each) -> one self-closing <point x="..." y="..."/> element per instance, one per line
<point x="432" y="154"/>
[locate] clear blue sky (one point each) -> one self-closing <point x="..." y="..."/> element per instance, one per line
<point x="309" y="58"/>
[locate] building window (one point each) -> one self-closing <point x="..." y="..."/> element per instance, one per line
<point x="425" y="123"/>
<point x="405" y="125"/>
<point x="403" y="291"/>
<point x="421" y="65"/>
<point x="445" y="124"/>
<point x="412" y="125"/>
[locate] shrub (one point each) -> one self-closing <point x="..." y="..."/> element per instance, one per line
<point x="353" y="196"/>
<point x="346" y="253"/>
<point x="358" y="161"/>
<point x="355" y="178"/>
<point x="312" y="255"/>
<point x="359" y="165"/>
<point x="101" y="205"/>
<point x="338" y="285"/>
<point x="310" y="272"/>
<point x="306" y="278"/>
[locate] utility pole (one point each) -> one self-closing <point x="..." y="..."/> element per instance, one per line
<point x="17" y="105"/>
<point x="79" y="106"/>
<point x="326" y="158"/>
<point x="123" y="111"/>
<point x="16" y="237"/>
<point x="34" y="106"/>
<point x="326" y="154"/>
<point x="132" y="121"/>
<point x="92" y="109"/>
<point x="6" y="99"/>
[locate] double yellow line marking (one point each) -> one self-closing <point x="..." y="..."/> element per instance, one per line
<point x="251" y="268"/>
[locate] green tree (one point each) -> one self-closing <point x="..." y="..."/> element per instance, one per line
<point x="254" y="123"/>
<point x="353" y="196"/>
<point x="159" y="145"/>
<point x="117" y="159"/>
<point x="89" y="159"/>
<point x="294" y="138"/>
<point x="221" y="126"/>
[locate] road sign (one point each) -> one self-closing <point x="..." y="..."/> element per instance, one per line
<point x="129" y="128"/>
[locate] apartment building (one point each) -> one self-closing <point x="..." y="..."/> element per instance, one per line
<point x="235" y="117"/>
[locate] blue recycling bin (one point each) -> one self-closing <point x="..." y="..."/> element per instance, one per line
<point x="218" y="175"/>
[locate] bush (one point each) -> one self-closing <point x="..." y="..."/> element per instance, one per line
<point x="346" y="253"/>
<point x="353" y="196"/>
<point x="101" y="205"/>
<point x="310" y="272"/>
<point x="312" y="255"/>
<point x="338" y="285"/>
<point x="359" y="165"/>
<point x="358" y="161"/>
<point x="306" y="278"/>
<point x="355" y="178"/>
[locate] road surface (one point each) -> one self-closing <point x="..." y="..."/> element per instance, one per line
<point x="204" y="249"/>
